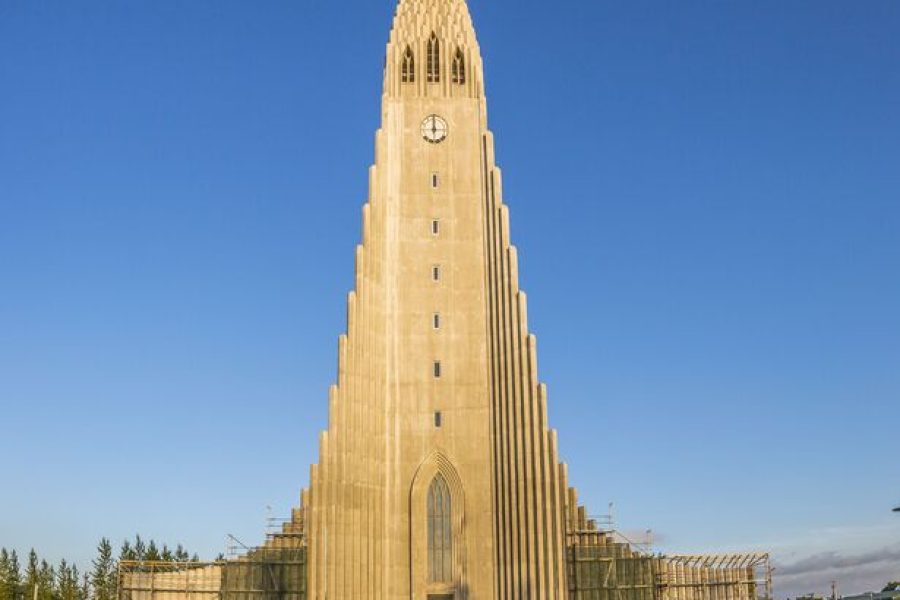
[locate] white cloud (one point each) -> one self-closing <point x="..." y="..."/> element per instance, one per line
<point x="854" y="573"/>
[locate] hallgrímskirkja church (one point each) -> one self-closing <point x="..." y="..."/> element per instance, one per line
<point x="439" y="476"/>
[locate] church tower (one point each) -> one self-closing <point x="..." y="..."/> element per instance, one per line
<point x="438" y="477"/>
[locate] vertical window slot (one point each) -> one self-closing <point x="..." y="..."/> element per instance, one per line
<point x="408" y="67"/>
<point x="433" y="62"/>
<point x="459" y="68"/>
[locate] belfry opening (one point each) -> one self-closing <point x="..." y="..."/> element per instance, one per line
<point x="439" y="476"/>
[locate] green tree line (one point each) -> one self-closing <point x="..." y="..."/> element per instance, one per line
<point x="37" y="579"/>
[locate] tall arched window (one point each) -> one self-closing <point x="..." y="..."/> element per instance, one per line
<point x="434" y="60"/>
<point x="459" y="68"/>
<point x="440" y="533"/>
<point x="408" y="68"/>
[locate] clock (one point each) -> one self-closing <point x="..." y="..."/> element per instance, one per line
<point x="434" y="129"/>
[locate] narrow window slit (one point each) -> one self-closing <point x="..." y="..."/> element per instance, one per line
<point x="459" y="68"/>
<point x="433" y="66"/>
<point x="408" y="67"/>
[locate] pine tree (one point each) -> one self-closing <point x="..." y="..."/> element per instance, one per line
<point x="62" y="575"/>
<point x="127" y="552"/>
<point x="67" y="581"/>
<point x="47" y="589"/>
<point x="139" y="548"/>
<point x="74" y="584"/>
<point x="112" y="582"/>
<point x="32" y="575"/>
<point x="152" y="552"/>
<point x="13" y="577"/>
<point x="84" y="591"/>
<point x="4" y="573"/>
<point x="103" y="575"/>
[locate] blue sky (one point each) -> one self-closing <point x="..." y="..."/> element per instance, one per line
<point x="704" y="196"/>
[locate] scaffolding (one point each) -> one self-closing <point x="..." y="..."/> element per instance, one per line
<point x="270" y="572"/>
<point x="274" y="571"/>
<point x="166" y="580"/>
<point x="602" y="567"/>
<point x="265" y="573"/>
<point x="609" y="570"/>
<point x="602" y="564"/>
<point x="716" y="576"/>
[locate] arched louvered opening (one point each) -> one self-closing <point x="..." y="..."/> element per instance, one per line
<point x="459" y="68"/>
<point x="408" y="67"/>
<point x="440" y="532"/>
<point x="434" y="60"/>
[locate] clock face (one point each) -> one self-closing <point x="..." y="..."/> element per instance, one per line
<point x="434" y="129"/>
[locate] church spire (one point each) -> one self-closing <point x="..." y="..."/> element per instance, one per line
<point x="432" y="43"/>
